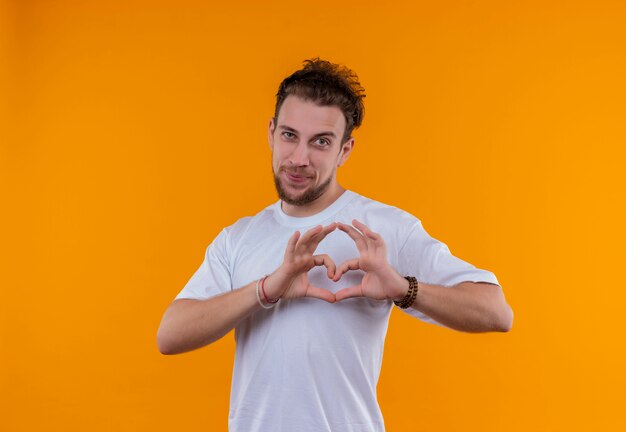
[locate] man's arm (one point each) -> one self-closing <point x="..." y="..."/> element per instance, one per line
<point x="467" y="306"/>
<point x="190" y="324"/>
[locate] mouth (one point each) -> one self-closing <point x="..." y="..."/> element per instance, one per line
<point x="296" y="177"/>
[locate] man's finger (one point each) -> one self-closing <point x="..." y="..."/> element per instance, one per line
<point x="326" y="261"/>
<point x="361" y="244"/>
<point x="366" y="230"/>
<point x="306" y="237"/>
<point x="346" y="266"/>
<point x="291" y="244"/>
<point x="353" y="291"/>
<point x="330" y="228"/>
<point x="312" y="232"/>
<point x="317" y="238"/>
<point x="320" y="293"/>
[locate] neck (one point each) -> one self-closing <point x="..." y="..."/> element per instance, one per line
<point x="316" y="206"/>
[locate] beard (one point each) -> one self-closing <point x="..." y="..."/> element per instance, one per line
<point x="309" y="195"/>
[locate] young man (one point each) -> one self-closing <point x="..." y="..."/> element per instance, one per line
<point x="308" y="283"/>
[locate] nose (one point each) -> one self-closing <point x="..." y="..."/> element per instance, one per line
<point x="300" y="154"/>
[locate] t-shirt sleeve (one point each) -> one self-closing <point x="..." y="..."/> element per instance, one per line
<point x="431" y="262"/>
<point x="214" y="275"/>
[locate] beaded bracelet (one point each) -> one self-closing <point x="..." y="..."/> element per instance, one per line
<point x="406" y="301"/>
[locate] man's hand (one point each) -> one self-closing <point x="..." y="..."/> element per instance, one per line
<point x="290" y="280"/>
<point x="380" y="281"/>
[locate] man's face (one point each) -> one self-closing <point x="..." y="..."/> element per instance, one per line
<point x="306" y="149"/>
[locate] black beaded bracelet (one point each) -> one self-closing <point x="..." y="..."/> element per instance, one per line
<point x="406" y="301"/>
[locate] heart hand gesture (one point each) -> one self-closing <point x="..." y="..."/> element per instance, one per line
<point x="290" y="280"/>
<point x="380" y="281"/>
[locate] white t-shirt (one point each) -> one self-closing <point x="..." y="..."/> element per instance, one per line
<point x="308" y="365"/>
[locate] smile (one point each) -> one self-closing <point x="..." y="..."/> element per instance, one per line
<point x="296" y="178"/>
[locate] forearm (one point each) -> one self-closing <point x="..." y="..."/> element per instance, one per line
<point x="190" y="324"/>
<point x="468" y="306"/>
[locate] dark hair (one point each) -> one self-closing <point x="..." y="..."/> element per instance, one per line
<point x="326" y="83"/>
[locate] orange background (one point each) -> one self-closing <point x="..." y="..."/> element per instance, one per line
<point x="132" y="132"/>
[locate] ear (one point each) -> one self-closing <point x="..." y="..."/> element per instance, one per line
<point x="346" y="149"/>
<point x="270" y="133"/>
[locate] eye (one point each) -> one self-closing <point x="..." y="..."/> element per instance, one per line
<point x="322" y="142"/>
<point x="288" y="135"/>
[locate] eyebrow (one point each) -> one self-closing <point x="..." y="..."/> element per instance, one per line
<point x="326" y="133"/>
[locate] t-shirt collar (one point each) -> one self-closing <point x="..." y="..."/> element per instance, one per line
<point x="320" y="218"/>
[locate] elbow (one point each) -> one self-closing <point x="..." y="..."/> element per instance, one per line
<point x="168" y="335"/>
<point x="164" y="347"/>
<point x="497" y="315"/>
<point x="502" y="313"/>
<point x="164" y="343"/>
<point x="504" y="323"/>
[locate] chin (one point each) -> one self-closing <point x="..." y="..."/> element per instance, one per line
<point x="297" y="199"/>
<point x="301" y="197"/>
